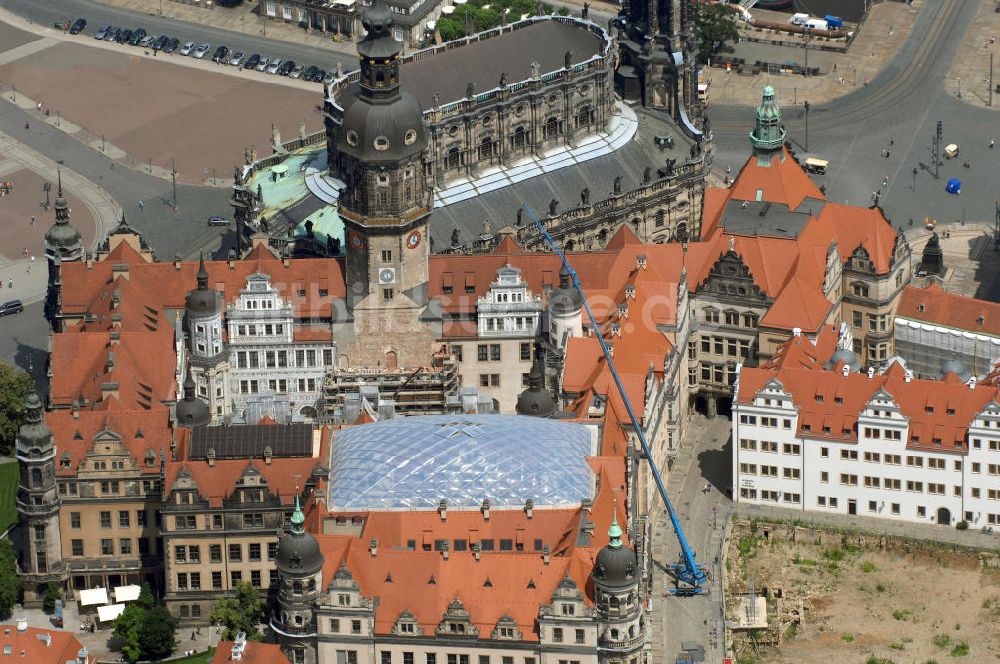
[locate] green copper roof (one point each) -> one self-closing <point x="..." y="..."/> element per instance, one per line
<point x="768" y="134"/>
<point x="615" y="531"/>
<point x="298" y="518"/>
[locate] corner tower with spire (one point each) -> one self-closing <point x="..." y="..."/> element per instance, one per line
<point x="622" y="632"/>
<point x="300" y="579"/>
<point x="62" y="244"/>
<point x="207" y="353"/>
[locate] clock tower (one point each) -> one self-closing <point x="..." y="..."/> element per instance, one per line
<point x="379" y="154"/>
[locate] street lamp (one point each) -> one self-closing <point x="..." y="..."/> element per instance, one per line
<point x="805" y="104"/>
<point x="959" y="87"/>
<point x="914" y="179"/>
<point x="854" y="81"/>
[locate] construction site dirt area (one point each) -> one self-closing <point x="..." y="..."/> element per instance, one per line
<point x="844" y="598"/>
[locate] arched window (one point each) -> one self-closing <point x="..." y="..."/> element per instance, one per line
<point x="583" y="117"/>
<point x="681" y="235"/>
<point x="297" y="588"/>
<point x="552" y="127"/>
<point x="36" y="478"/>
<point x="486" y="149"/>
<point x="519" y="138"/>
<point x="453" y="159"/>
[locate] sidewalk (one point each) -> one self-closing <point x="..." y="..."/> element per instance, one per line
<point x="969" y="77"/>
<point x="973" y="537"/>
<point x="880" y="36"/>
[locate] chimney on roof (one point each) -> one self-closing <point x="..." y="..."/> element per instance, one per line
<point x="177" y="262"/>
<point x="110" y="364"/>
<point x="871" y="372"/>
<point x="588" y="527"/>
<point x="640" y="261"/>
<point x="268" y="453"/>
<point x="22" y="624"/>
<point x="444" y="550"/>
<point x="373" y="547"/>
<point x="286" y="261"/>
<point x="443" y="509"/>
<point x="90" y="260"/>
<point x="529" y="508"/>
<point x="616" y="329"/>
<point x="477" y="550"/>
<point x="586" y="504"/>
<point x="546" y="554"/>
<point x="972" y="383"/>
<point x="623" y="310"/>
<point x="908" y="376"/>
<point x="231" y="259"/>
<point x="75" y="409"/>
<point x="611" y="348"/>
<point x="630" y="292"/>
<point x="796" y="331"/>
<point x="209" y="456"/>
<point x="485" y="509"/>
<point x="845" y="370"/>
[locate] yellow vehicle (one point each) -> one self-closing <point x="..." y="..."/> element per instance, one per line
<point x="951" y="151"/>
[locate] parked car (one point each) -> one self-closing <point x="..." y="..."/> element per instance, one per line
<point x="124" y="37"/>
<point x="275" y="65"/>
<point x="160" y="42"/>
<point x="221" y="55"/>
<point x="264" y="63"/>
<point x="286" y="69"/>
<point x="252" y="61"/>
<point x="171" y="45"/>
<point x="12" y="307"/>
<point x="309" y="73"/>
<point x="218" y="221"/>
<point x="237" y="59"/>
<point x="202" y="51"/>
<point x="102" y="31"/>
<point x="112" y="34"/>
<point x="187" y="48"/>
<point x="319" y="76"/>
<point x="137" y="36"/>
<point x="330" y="78"/>
<point x="148" y="40"/>
<point x="78" y="26"/>
<point x="296" y="72"/>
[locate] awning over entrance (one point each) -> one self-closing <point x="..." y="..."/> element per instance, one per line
<point x="93" y="596"/>
<point x="110" y="612"/>
<point x="127" y="593"/>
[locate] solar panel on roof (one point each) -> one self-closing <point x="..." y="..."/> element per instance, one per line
<point x="246" y="441"/>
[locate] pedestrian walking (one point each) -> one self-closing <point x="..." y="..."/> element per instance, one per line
<point x="26" y="125"/>
<point x="142" y="205"/>
<point x="32" y="220"/>
<point x="892" y="140"/>
<point x="39" y="107"/>
<point x="10" y="284"/>
<point x="992" y="142"/>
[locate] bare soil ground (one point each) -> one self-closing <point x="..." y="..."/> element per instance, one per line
<point x="870" y="602"/>
<point x="17" y="209"/>
<point x="154" y="110"/>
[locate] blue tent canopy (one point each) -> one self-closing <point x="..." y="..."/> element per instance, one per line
<point x="954" y="186"/>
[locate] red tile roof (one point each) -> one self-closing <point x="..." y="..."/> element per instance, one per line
<point x="782" y="181"/>
<point x="27" y="647"/>
<point x="936" y="306"/>
<point x="283" y="476"/>
<point x="141" y="431"/>
<point x="829" y="403"/>
<point x="254" y="653"/>
<point x="141" y="364"/>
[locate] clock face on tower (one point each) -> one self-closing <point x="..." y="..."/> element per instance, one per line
<point x="387" y="275"/>
<point x="356" y="241"/>
<point x="413" y="240"/>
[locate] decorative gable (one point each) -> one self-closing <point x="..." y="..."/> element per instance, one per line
<point x="406" y="625"/>
<point x="456" y="621"/>
<point x="507" y="629"/>
<point x="730" y="276"/>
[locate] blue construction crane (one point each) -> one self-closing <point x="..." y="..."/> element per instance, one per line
<point x="691" y="578"/>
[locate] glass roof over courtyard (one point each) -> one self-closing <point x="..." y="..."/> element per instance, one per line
<point x="414" y="462"/>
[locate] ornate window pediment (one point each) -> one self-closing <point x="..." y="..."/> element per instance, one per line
<point x="456" y="621"/>
<point x="406" y="625"/>
<point x="506" y="629"/>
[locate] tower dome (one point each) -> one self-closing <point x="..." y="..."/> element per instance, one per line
<point x="62" y="236"/>
<point x="34" y="438"/>
<point x="202" y="301"/>
<point x="380" y="122"/>
<point x="565" y="300"/>
<point x="192" y="411"/>
<point x="768" y="135"/>
<point x="536" y="400"/>
<point x="298" y="551"/>
<point x="615" y="566"/>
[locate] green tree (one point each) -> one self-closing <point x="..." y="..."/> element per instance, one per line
<point x="239" y="614"/>
<point x="714" y="25"/>
<point x="53" y="591"/>
<point x="128" y="626"/>
<point x="10" y="582"/>
<point x="146" y="599"/>
<point x="156" y="634"/>
<point x="450" y="29"/>
<point x="14" y="385"/>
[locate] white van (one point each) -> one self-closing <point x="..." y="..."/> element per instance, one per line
<point x="799" y="19"/>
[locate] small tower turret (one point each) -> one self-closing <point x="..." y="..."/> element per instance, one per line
<point x="300" y="579"/>
<point x="616" y="578"/>
<point x="38" y="504"/>
<point x="208" y="354"/>
<point x="768" y="135"/>
<point x="565" y="309"/>
<point x="62" y="244"/>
